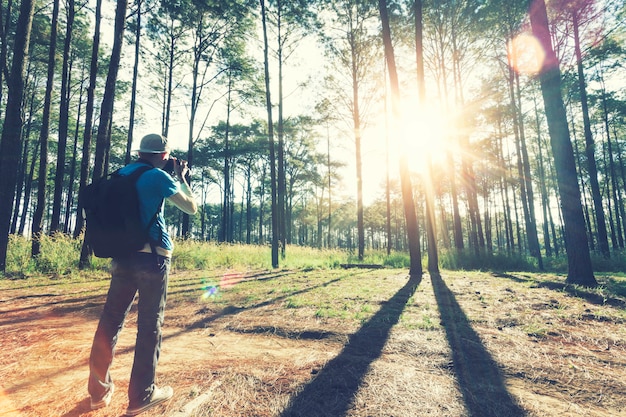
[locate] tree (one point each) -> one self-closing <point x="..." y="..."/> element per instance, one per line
<point x="43" y="136"/>
<point x="103" y="141"/>
<point x="10" y="142"/>
<point x="87" y="133"/>
<point x="64" y="109"/>
<point x="580" y="270"/>
<point x="603" y="241"/>
<point x="270" y="131"/>
<point x="415" y="269"/>
<point x="355" y="50"/>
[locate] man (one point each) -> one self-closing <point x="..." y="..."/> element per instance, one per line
<point x="144" y="272"/>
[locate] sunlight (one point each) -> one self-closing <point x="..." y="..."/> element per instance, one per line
<point x="526" y="54"/>
<point x="425" y="132"/>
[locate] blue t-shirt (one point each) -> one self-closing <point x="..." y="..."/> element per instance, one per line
<point x="153" y="186"/>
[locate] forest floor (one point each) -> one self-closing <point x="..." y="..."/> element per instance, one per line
<point x="334" y="343"/>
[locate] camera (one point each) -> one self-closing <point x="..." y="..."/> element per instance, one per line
<point x="169" y="165"/>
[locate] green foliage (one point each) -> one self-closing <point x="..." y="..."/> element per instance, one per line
<point x="467" y="259"/>
<point x="397" y="260"/>
<point x="60" y="254"/>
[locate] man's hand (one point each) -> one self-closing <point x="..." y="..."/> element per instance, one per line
<point x="181" y="168"/>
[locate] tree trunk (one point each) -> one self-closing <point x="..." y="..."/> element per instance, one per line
<point x="580" y="270"/>
<point x="37" y="227"/>
<point x="282" y="183"/>
<point x="4" y="33"/>
<point x="433" y="256"/>
<point x="270" y="132"/>
<point x="133" y="91"/>
<point x="12" y="127"/>
<point x="21" y="175"/>
<point x="226" y="234"/>
<point x="103" y="139"/>
<point x="72" y="173"/>
<point x="415" y="255"/>
<point x="603" y="242"/>
<point x="63" y="123"/>
<point x="542" y="185"/>
<point x="85" y="162"/>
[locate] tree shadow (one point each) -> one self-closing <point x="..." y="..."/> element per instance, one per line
<point x="589" y="295"/>
<point x="480" y="380"/>
<point x="331" y="392"/>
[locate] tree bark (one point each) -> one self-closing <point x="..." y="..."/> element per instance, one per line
<point x="580" y="270"/>
<point x="63" y="122"/>
<point x="603" y="242"/>
<point x="133" y="91"/>
<point x="37" y="227"/>
<point x="270" y="131"/>
<point x="415" y="255"/>
<point x="103" y="140"/>
<point x="86" y="154"/>
<point x="10" y="143"/>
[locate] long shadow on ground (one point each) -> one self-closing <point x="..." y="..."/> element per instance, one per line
<point x="481" y="382"/>
<point x="333" y="389"/>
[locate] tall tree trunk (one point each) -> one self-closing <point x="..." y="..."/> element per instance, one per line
<point x="542" y="184"/>
<point x="4" y="33"/>
<point x="433" y="256"/>
<point x="27" y="190"/>
<point x="356" y="119"/>
<point x="613" y="188"/>
<point x="282" y="183"/>
<point x="415" y="255"/>
<point x="21" y="175"/>
<point x="103" y="139"/>
<point x="529" y="197"/>
<point x="37" y="228"/>
<point x="270" y="132"/>
<point x="603" y="241"/>
<point x="580" y="270"/>
<point x="10" y="143"/>
<point x="226" y="232"/>
<point x="72" y="173"/>
<point x="85" y="162"/>
<point x="63" y="122"/>
<point x="133" y="91"/>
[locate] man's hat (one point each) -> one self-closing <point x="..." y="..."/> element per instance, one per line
<point x="154" y="143"/>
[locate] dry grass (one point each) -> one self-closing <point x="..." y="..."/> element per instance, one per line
<point x="331" y="343"/>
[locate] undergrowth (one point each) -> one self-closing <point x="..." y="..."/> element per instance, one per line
<point x="59" y="255"/>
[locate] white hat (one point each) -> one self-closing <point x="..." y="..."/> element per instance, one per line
<point x="154" y="143"/>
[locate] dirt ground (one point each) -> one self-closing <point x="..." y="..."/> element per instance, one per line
<point x="463" y="344"/>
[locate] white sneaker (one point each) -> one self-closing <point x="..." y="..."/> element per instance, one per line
<point x="105" y="401"/>
<point x="159" y="395"/>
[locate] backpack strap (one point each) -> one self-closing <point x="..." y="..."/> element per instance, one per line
<point x="134" y="176"/>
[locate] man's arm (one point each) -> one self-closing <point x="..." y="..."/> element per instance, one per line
<point x="184" y="199"/>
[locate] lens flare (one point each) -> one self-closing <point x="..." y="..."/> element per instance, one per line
<point x="526" y="54"/>
<point x="212" y="289"/>
<point x="209" y="290"/>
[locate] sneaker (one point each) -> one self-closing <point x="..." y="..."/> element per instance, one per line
<point x="159" y="395"/>
<point x="105" y="401"/>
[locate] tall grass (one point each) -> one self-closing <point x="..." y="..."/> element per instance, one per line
<point x="60" y="255"/>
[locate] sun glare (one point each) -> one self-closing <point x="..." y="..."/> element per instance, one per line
<point x="526" y="54"/>
<point x="424" y="134"/>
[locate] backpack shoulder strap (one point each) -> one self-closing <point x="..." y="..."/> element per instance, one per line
<point x="134" y="176"/>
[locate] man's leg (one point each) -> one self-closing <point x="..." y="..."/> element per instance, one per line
<point x="152" y="286"/>
<point x="119" y="299"/>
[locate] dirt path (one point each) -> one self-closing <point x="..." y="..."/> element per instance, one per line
<point x="263" y="360"/>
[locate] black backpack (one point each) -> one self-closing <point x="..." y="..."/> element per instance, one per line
<point x="111" y="208"/>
